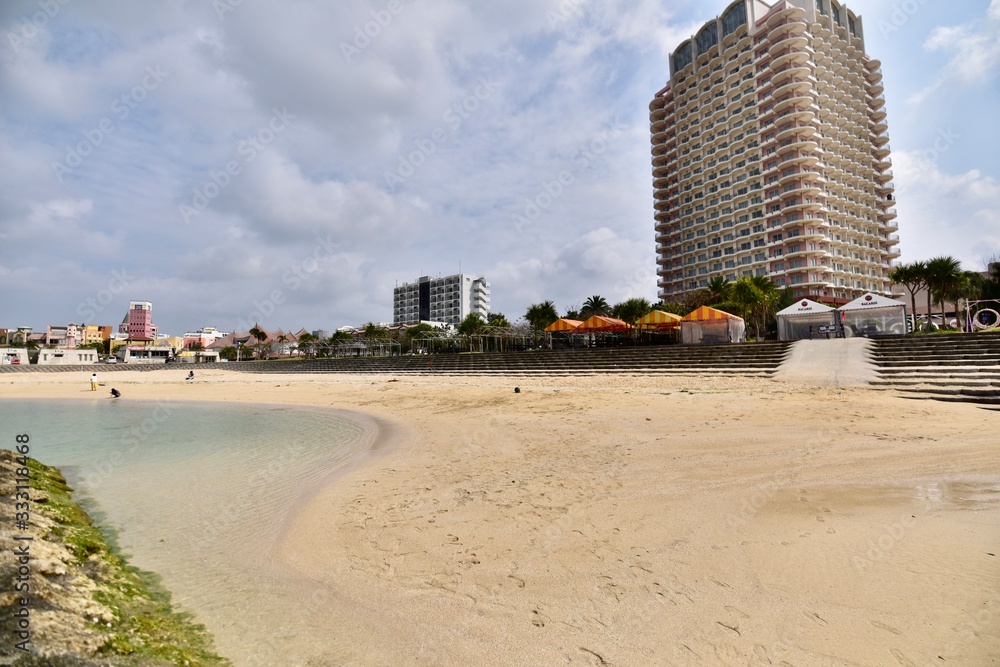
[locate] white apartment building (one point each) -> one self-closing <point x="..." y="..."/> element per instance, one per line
<point x="770" y="155"/>
<point x="450" y="299"/>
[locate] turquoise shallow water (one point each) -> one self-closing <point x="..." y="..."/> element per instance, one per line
<point x="198" y="493"/>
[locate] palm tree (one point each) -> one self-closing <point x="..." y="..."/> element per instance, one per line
<point x="260" y="335"/>
<point x="746" y="297"/>
<point x="595" y="305"/>
<point x="541" y="315"/>
<point x="307" y="342"/>
<point x="497" y="320"/>
<point x="969" y="286"/>
<point x="471" y="325"/>
<point x="282" y="339"/>
<point x="718" y="290"/>
<point x="631" y="311"/>
<point x="942" y="275"/>
<point x="913" y="276"/>
<point x="770" y="299"/>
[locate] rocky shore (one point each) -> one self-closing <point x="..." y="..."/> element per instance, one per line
<point x="66" y="598"/>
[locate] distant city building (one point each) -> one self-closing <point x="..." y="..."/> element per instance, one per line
<point x="138" y="322"/>
<point x="205" y="336"/>
<point x="770" y="155"/>
<point x="449" y="300"/>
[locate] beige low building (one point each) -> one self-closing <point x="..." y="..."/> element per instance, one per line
<point x="62" y="357"/>
<point x="13" y="356"/>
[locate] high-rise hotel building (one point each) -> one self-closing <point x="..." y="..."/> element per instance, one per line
<point x="770" y="155"/>
<point x="450" y="300"/>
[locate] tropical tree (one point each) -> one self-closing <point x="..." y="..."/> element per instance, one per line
<point x="573" y="313"/>
<point x="471" y="325"/>
<point x="755" y="299"/>
<point x="283" y="338"/>
<point x="632" y="310"/>
<point x="307" y="343"/>
<point x="595" y="305"/>
<point x="228" y="353"/>
<point x="671" y="307"/>
<point x="969" y="286"/>
<point x="718" y="290"/>
<point x="943" y="273"/>
<point x="913" y="277"/>
<point x="260" y="335"/>
<point x="541" y="315"/>
<point x="497" y="320"/>
<point x="373" y="330"/>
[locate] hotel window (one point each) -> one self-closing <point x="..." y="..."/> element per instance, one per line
<point x="819" y="6"/>
<point x="734" y="18"/>
<point x="835" y="10"/>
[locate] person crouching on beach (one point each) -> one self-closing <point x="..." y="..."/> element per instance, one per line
<point x="115" y="393"/>
<point x="93" y="382"/>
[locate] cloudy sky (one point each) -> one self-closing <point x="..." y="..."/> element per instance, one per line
<point x="290" y="163"/>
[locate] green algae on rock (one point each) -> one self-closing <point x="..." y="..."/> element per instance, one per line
<point x="85" y="604"/>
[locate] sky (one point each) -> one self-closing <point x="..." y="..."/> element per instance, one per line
<point x="287" y="164"/>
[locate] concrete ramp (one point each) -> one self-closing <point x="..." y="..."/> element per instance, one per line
<point x="839" y="362"/>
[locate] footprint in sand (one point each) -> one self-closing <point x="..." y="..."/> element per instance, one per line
<point x="887" y="628"/>
<point x="813" y="616"/>
<point x="902" y="659"/>
<point x="761" y="654"/>
<point x="538" y="619"/>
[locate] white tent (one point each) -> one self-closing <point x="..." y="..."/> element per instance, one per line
<point x="873" y="315"/>
<point x="803" y="319"/>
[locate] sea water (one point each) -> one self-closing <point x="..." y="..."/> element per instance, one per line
<point x="197" y="493"/>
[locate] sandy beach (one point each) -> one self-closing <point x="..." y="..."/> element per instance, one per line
<point x="622" y="520"/>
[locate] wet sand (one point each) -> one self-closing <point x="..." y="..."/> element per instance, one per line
<point x="621" y="520"/>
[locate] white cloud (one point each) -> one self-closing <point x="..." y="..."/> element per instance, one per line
<point x="974" y="50"/>
<point x="946" y="214"/>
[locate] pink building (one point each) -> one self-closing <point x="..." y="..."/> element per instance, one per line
<point x="138" y="323"/>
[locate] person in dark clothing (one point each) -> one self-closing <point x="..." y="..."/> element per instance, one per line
<point x="115" y="393"/>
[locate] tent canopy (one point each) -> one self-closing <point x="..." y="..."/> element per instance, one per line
<point x="705" y="313"/>
<point x="562" y="324"/>
<point x="603" y="324"/>
<point x="804" y="307"/>
<point x="659" y="319"/>
<point x="871" y="301"/>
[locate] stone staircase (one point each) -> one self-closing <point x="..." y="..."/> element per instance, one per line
<point x="959" y="367"/>
<point x="760" y="359"/>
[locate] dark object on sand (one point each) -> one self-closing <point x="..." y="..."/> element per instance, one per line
<point x="115" y="393"/>
<point x="517" y="390"/>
